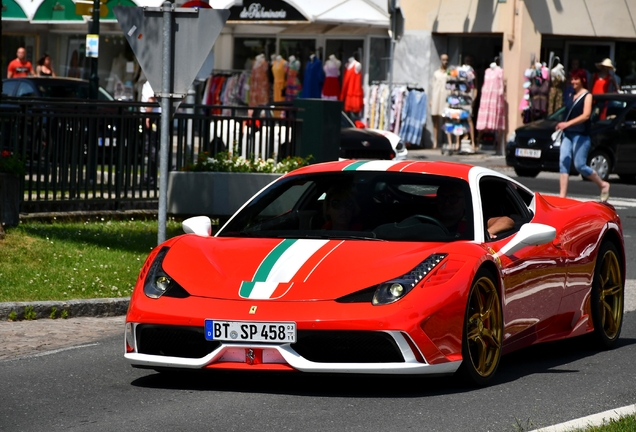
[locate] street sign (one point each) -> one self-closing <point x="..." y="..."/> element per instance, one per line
<point x="194" y="33"/>
<point x="171" y="45"/>
<point x="83" y="7"/>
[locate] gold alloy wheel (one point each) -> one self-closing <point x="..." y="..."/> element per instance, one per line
<point x="484" y="327"/>
<point x="610" y="295"/>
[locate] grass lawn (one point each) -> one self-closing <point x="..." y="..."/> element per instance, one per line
<point x="95" y="258"/>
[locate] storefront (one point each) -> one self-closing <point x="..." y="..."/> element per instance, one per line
<point x="343" y="28"/>
<point x="522" y="34"/>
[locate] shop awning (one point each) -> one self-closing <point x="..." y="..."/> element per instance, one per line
<point x="56" y="11"/>
<point x="356" y="12"/>
<point x="11" y="11"/>
<point x="350" y="12"/>
<point x="111" y="4"/>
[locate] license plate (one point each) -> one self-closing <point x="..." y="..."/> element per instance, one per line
<point x="250" y="331"/>
<point x="531" y="153"/>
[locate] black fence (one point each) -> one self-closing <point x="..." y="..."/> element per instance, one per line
<point x="89" y="156"/>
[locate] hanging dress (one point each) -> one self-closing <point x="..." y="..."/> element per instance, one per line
<point x="259" y="85"/>
<point x="331" y="87"/>
<point x="278" y="70"/>
<point x="352" y="93"/>
<point x="293" y="83"/>
<point x="492" y="111"/>
<point x="314" y="77"/>
<point x="440" y="93"/>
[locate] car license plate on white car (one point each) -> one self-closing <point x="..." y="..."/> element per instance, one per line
<point x="250" y="331"/>
<point x="530" y="153"/>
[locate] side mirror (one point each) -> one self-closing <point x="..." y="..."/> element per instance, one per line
<point x="199" y="225"/>
<point x="360" y="124"/>
<point x="530" y="234"/>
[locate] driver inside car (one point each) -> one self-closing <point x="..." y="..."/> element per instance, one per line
<point x="451" y="209"/>
<point x="340" y="210"/>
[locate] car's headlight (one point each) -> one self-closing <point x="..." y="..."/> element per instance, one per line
<point x="158" y="282"/>
<point x="511" y="138"/>
<point x="400" y="146"/>
<point x="393" y="290"/>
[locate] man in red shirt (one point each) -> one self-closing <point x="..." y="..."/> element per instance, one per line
<point x="20" y="67"/>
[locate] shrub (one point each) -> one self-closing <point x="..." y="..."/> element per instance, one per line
<point x="228" y="162"/>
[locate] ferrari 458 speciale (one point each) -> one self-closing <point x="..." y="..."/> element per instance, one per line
<point x="380" y="267"/>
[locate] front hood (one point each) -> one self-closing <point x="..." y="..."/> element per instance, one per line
<point x="289" y="269"/>
<point x="542" y="127"/>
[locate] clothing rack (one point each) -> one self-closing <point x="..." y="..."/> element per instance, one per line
<point x="229" y="71"/>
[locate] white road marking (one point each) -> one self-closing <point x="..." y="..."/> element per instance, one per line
<point x="590" y="421"/>
<point x="55" y="351"/>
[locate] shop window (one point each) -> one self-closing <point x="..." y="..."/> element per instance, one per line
<point x="343" y="49"/>
<point x="299" y="48"/>
<point x="246" y="50"/>
<point x="379" y="59"/>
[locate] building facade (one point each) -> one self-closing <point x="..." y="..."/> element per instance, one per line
<point x="516" y="33"/>
<point x="344" y="28"/>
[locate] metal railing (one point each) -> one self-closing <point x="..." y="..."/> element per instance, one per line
<point x="86" y="156"/>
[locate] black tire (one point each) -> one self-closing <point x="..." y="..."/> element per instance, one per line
<point x="483" y="331"/>
<point x="527" y="172"/>
<point x="607" y="296"/>
<point x="600" y="162"/>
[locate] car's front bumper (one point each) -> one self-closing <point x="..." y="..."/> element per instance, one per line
<point x="274" y="357"/>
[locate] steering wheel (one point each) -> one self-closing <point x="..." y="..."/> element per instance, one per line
<point x="430" y="220"/>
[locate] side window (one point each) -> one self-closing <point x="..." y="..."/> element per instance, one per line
<point x="8" y="87"/>
<point x="26" y="90"/>
<point x="502" y="198"/>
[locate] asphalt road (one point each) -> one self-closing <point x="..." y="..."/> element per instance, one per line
<point x="92" y="388"/>
<point x="74" y="379"/>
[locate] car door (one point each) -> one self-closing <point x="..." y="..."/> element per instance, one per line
<point x="533" y="277"/>
<point x="626" y="142"/>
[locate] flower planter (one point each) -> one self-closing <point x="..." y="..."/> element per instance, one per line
<point x="9" y="199"/>
<point x="213" y="193"/>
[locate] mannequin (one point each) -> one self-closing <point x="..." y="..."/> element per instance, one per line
<point x="331" y="87"/>
<point x="293" y="83"/>
<point x="352" y="93"/>
<point x="492" y="114"/>
<point x="259" y="88"/>
<point x="279" y="67"/>
<point x="438" y="96"/>
<point x="314" y="78"/>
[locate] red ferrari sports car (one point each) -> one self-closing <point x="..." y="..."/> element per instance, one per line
<point x="380" y="267"/>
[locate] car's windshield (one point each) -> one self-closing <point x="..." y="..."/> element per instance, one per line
<point x="359" y="205"/>
<point x="558" y="115"/>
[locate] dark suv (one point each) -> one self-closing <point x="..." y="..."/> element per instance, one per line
<point x="47" y="87"/>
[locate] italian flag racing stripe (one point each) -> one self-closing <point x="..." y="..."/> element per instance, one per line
<point x="276" y="271"/>
<point x="374" y="165"/>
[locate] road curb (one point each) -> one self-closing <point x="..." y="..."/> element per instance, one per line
<point x="74" y="308"/>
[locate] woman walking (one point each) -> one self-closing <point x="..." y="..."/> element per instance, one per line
<point x="576" y="141"/>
